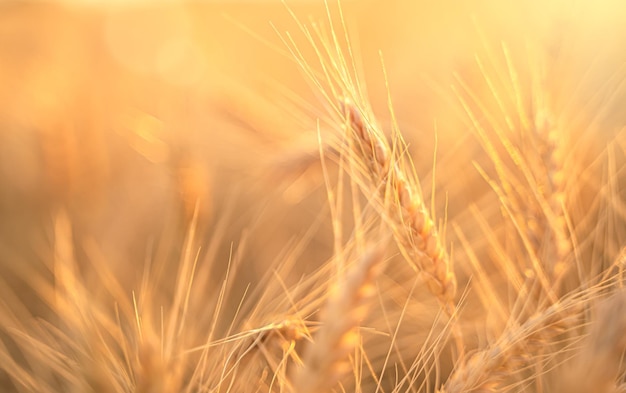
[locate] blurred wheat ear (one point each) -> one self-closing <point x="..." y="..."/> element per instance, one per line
<point x="326" y="360"/>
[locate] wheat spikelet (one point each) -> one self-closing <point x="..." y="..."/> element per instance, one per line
<point x="417" y="233"/>
<point x="280" y="334"/>
<point x="267" y="340"/>
<point x="325" y="362"/>
<point x="274" y="342"/>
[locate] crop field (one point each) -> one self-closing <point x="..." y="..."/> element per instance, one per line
<point x="308" y="196"/>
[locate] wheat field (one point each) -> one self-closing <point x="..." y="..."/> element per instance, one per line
<point x="312" y="196"/>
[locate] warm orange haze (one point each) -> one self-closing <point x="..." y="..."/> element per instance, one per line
<point x="307" y="197"/>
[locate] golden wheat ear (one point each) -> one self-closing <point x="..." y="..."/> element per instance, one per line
<point x="551" y="152"/>
<point x="413" y="226"/>
<point x="325" y="362"/>
<point x="495" y="366"/>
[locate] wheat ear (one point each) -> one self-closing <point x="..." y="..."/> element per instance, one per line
<point x="486" y="369"/>
<point x="325" y="362"/>
<point x="418" y="233"/>
<point x="550" y="150"/>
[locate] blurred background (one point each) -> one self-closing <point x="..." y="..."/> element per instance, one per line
<point x="125" y="113"/>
